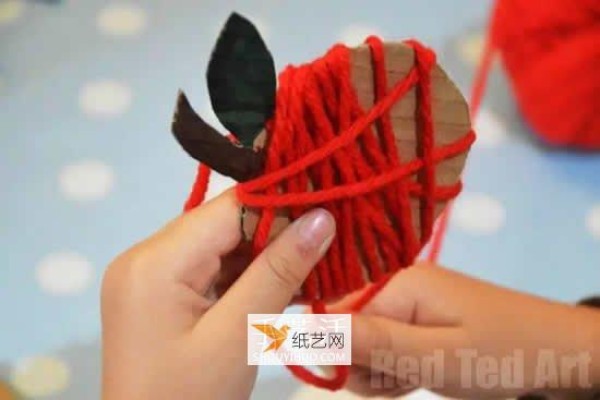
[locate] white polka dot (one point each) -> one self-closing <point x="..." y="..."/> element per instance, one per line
<point x="40" y="376"/>
<point x="355" y="35"/>
<point x="10" y="10"/>
<point x="478" y="214"/>
<point x="593" y="221"/>
<point x="122" y="20"/>
<point x="470" y="48"/>
<point x="64" y="273"/>
<point x="86" y="180"/>
<point x="491" y="131"/>
<point x="105" y="98"/>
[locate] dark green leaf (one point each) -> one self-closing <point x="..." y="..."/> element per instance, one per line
<point x="241" y="80"/>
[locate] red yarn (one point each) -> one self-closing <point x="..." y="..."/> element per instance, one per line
<point x="551" y="52"/>
<point x="477" y="92"/>
<point x="198" y="192"/>
<point x="352" y="171"/>
<point x="323" y="150"/>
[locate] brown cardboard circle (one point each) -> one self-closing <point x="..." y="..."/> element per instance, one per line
<point x="449" y="109"/>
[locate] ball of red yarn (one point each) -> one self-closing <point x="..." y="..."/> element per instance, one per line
<point x="551" y="52"/>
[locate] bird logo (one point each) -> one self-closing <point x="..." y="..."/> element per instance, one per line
<point x="277" y="335"/>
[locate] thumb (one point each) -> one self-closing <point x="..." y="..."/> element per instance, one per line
<point x="270" y="282"/>
<point x="374" y="337"/>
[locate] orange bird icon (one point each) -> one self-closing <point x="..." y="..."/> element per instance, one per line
<point x="278" y="335"/>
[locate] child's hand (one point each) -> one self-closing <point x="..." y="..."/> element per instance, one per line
<point x="163" y="335"/>
<point x="427" y="309"/>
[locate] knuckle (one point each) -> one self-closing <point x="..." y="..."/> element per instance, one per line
<point x="111" y="286"/>
<point x="118" y="276"/>
<point x="420" y="272"/>
<point x="282" y="270"/>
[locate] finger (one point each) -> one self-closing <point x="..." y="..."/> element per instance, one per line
<point x="366" y="383"/>
<point x="375" y="337"/>
<point x="189" y="248"/>
<point x="396" y="300"/>
<point x="269" y="283"/>
<point x="233" y="266"/>
<point x="344" y="305"/>
<point x="417" y="295"/>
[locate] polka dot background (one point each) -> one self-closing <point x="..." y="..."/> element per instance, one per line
<point x="10" y="11"/>
<point x="593" y="221"/>
<point x="64" y="273"/>
<point x="121" y="20"/>
<point x="104" y="98"/>
<point x="40" y="376"/>
<point x="354" y="35"/>
<point x="470" y="47"/>
<point x="89" y="167"/>
<point x="478" y="214"/>
<point x="86" y="180"/>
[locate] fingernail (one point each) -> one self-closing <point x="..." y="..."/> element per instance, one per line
<point x="316" y="230"/>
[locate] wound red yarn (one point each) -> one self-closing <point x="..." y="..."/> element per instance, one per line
<point x="321" y="135"/>
<point x="550" y="51"/>
<point x="324" y="150"/>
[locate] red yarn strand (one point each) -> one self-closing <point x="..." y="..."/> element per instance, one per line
<point x="360" y="188"/>
<point x="476" y="97"/>
<point x="199" y="189"/>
